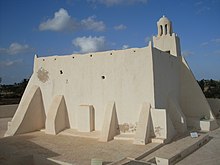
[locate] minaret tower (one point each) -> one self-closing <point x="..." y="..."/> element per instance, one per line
<point x="166" y="40"/>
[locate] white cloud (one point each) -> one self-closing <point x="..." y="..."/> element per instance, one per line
<point x="117" y="2"/>
<point x="90" y="23"/>
<point x="120" y="27"/>
<point x="10" y="63"/>
<point x="204" y="43"/>
<point x="125" y="46"/>
<point x="203" y="9"/>
<point x="89" y="44"/>
<point x="203" y="6"/>
<point x="187" y="53"/>
<point x="198" y="3"/>
<point x="15" y="48"/>
<point x="62" y="21"/>
<point x="215" y="41"/>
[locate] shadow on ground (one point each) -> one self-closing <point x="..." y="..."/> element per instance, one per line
<point x="20" y="150"/>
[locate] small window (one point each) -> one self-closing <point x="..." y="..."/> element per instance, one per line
<point x="90" y="55"/>
<point x="43" y="59"/>
<point x="166" y="29"/>
<point x="73" y="57"/>
<point x="61" y="72"/>
<point x="103" y="77"/>
<point x="161" y="30"/>
<point x="110" y="53"/>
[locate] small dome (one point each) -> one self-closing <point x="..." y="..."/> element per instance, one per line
<point x="164" y="26"/>
<point x="163" y="20"/>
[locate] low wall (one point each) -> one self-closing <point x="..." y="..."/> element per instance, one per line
<point x="8" y="110"/>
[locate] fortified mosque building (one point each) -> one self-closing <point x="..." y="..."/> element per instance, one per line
<point x="145" y="94"/>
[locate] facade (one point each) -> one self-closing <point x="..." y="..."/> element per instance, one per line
<point x="142" y="94"/>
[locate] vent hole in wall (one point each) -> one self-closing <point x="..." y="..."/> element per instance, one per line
<point x="103" y="77"/>
<point x="90" y="55"/>
<point x="110" y="53"/>
<point x="72" y="57"/>
<point x="43" y="59"/>
<point x="61" y="72"/>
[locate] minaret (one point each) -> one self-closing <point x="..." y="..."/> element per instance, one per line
<point x="166" y="40"/>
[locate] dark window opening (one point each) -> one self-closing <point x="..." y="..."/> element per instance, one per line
<point x="90" y="55"/>
<point x="61" y="72"/>
<point x="165" y="29"/>
<point x="168" y="51"/>
<point x="103" y="77"/>
<point x="161" y="30"/>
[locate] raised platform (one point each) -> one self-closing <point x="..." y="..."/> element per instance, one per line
<point x="72" y="149"/>
<point x="177" y="150"/>
<point x="124" y="136"/>
<point x="74" y="132"/>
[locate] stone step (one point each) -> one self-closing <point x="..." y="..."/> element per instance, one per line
<point x="177" y="150"/>
<point x="124" y="136"/>
<point x="76" y="133"/>
<point x="158" y="140"/>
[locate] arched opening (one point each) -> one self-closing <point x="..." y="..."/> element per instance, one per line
<point x="165" y="29"/>
<point x="161" y="30"/>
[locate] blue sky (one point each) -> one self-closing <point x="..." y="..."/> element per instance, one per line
<point x="57" y="27"/>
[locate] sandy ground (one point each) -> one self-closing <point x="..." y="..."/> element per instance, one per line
<point x="80" y="151"/>
<point x="70" y="149"/>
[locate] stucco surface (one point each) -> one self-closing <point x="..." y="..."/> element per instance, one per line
<point x="82" y="82"/>
<point x="156" y="74"/>
<point x="30" y="115"/>
<point x="215" y="106"/>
